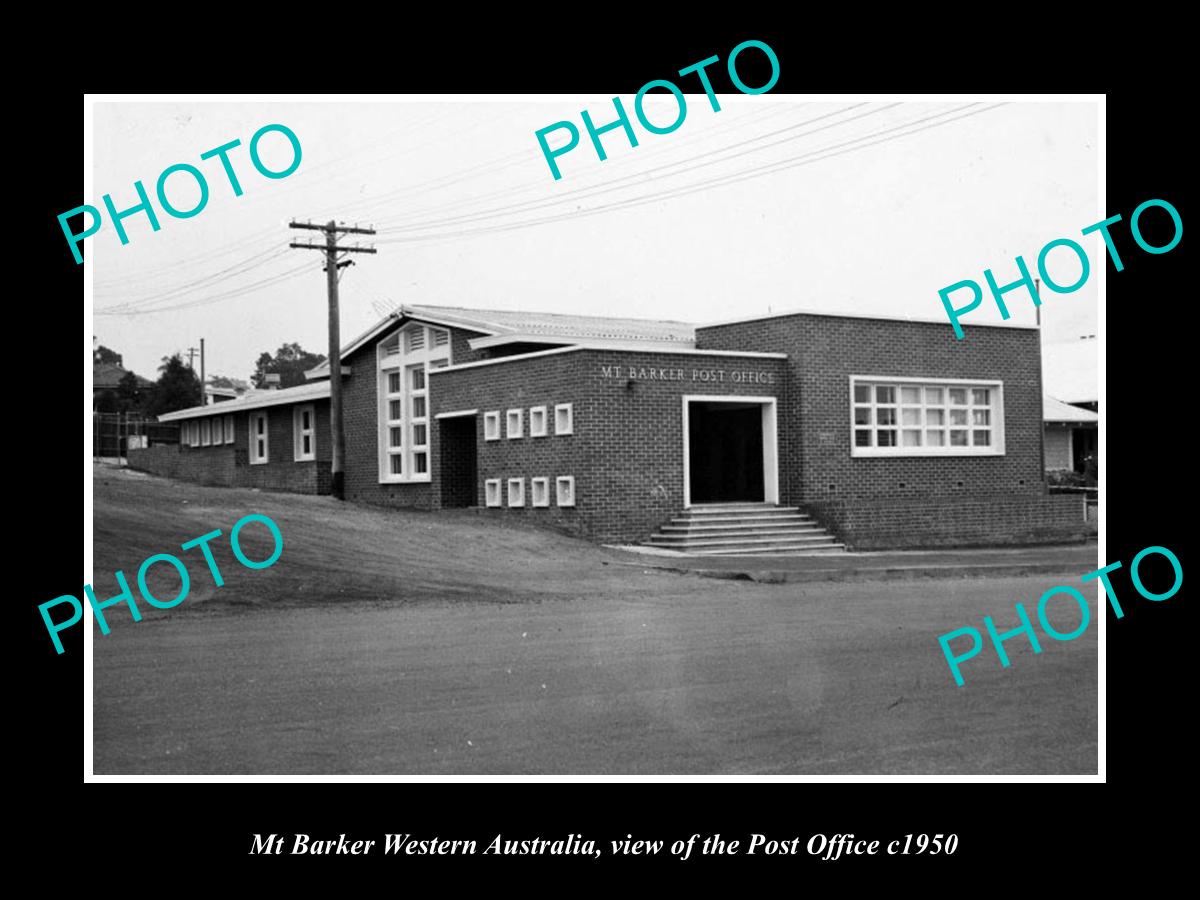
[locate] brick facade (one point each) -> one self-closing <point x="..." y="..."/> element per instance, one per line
<point x="873" y="502"/>
<point x="229" y="464"/>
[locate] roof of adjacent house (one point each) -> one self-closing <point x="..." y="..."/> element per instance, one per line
<point x="1054" y="410"/>
<point x="107" y="376"/>
<point x="317" y="390"/>
<point x="1070" y="370"/>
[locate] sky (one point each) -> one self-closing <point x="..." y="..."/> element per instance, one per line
<point x="773" y="203"/>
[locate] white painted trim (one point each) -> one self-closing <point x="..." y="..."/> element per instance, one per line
<point x="920" y="320"/>
<point x="509" y="433"/>
<point x="770" y="427"/>
<point x="544" y="481"/>
<point x="298" y="432"/>
<point x="457" y="414"/>
<point x="504" y="359"/>
<point x="396" y="318"/>
<point x="899" y="452"/>
<point x="520" y="494"/>
<point x="636" y="344"/>
<point x="491" y="416"/>
<point x="558" y="480"/>
<point x="266" y="435"/>
<point x="570" y="408"/>
<point x="545" y="431"/>
<point x="488" y="497"/>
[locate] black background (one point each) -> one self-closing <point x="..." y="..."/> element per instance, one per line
<point x="200" y="836"/>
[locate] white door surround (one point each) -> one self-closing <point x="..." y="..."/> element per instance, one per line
<point x="770" y="442"/>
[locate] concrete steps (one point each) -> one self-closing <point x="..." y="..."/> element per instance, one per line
<point x="744" y="529"/>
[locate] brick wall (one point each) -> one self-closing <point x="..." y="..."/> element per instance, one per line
<point x="229" y="464"/>
<point x="360" y="414"/>
<point x="626" y="452"/>
<point x="907" y="501"/>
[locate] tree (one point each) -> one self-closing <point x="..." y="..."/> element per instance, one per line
<point x="290" y="362"/>
<point x="177" y="387"/>
<point x="103" y="355"/>
<point x="130" y="395"/>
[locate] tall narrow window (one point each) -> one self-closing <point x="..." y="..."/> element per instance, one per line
<point x="304" y="433"/>
<point x="259" y="441"/>
<point x="205" y="432"/>
<point x="405" y="360"/>
<point x="564" y="418"/>
<point x="229" y="429"/>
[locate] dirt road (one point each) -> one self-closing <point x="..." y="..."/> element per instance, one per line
<point x="396" y="642"/>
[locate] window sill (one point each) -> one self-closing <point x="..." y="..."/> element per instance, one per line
<point x="889" y="453"/>
<point x="419" y="479"/>
<point x="259" y="462"/>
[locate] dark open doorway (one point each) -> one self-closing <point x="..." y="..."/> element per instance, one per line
<point x="457" y="457"/>
<point x="725" y="442"/>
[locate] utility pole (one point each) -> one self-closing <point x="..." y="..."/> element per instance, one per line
<point x="1037" y="289"/>
<point x="191" y="352"/>
<point x="203" y="388"/>
<point x="331" y="250"/>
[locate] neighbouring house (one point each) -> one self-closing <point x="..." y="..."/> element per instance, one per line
<point x="106" y="378"/>
<point x="1072" y="403"/>
<point x="866" y="431"/>
<point x="1071" y="435"/>
<point x="221" y="389"/>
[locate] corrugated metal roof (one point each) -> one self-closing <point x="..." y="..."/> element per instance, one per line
<point x="1054" y="410"/>
<point x="559" y="325"/>
<point x="317" y="390"/>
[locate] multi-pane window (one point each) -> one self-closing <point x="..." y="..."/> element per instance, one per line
<point x="259" y="444"/>
<point x="404" y="363"/>
<point x="304" y="433"/>
<point x="909" y="417"/>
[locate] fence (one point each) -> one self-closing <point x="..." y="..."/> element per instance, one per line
<point x="114" y="433"/>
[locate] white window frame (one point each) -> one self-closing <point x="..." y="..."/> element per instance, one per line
<point x="491" y="425"/>
<point x="995" y="426"/>
<point x="393" y="355"/>
<point x="510" y="432"/>
<point x="193" y="433"/>
<point x="255" y="459"/>
<point x="569" y="410"/>
<point x="517" y="497"/>
<point x="299" y="433"/>
<point x="539" y="491"/>
<point x="227" y="425"/>
<point x="569" y="482"/>
<point x="206" y="432"/>
<point x="537" y="413"/>
<point x="491" y="492"/>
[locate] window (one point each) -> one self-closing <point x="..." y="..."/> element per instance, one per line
<point x="491" y="426"/>
<point x="192" y="433"/>
<point x="564" y="489"/>
<point x="516" y="492"/>
<point x="229" y="429"/>
<point x="304" y="433"/>
<point x="540" y="490"/>
<point x="491" y="492"/>
<point x="564" y="419"/>
<point x="404" y="363"/>
<point x="537" y="421"/>
<point x="205" y="432"/>
<point x="908" y="417"/>
<point x="514" y="424"/>
<point x="259" y="448"/>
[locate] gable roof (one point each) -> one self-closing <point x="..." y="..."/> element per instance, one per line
<point x="507" y="326"/>
<point x="107" y="376"/>
<point x="1054" y="410"/>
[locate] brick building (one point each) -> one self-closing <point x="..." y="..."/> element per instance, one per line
<point x="882" y="432"/>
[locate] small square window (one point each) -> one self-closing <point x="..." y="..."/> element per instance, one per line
<point x="540" y="490"/>
<point x="862" y="438"/>
<point x="862" y="393"/>
<point x="885" y="438"/>
<point x="885" y="416"/>
<point x="393" y="382"/>
<point x="982" y="438"/>
<point x="958" y="438"/>
<point x="910" y="395"/>
<point x="862" y="415"/>
<point x="885" y="394"/>
<point x="514" y="424"/>
<point x="934" y="396"/>
<point x="910" y="416"/>
<point x="958" y="396"/>
<point x="958" y="417"/>
<point x="564" y="489"/>
<point x="935" y="437"/>
<point x="516" y="492"/>
<point x="981" y="417"/>
<point x="491" y="492"/>
<point x="564" y="419"/>
<point x="981" y="396"/>
<point x="910" y="438"/>
<point x="491" y="426"/>
<point x="935" y="417"/>
<point x="537" y="422"/>
<point x="395" y="410"/>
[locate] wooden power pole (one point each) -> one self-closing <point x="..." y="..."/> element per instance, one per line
<point x="331" y="251"/>
<point x="203" y="386"/>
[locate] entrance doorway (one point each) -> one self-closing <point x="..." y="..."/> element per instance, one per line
<point x="729" y="450"/>
<point x="457" y="458"/>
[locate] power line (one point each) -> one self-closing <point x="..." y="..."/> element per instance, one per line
<point x="782" y="165"/>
